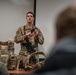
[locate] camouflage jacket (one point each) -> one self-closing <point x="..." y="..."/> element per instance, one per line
<point x="34" y="40"/>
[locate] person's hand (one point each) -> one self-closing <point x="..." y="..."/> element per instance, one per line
<point x="28" y="34"/>
<point x="36" y="32"/>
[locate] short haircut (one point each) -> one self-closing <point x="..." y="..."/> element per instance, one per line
<point x="66" y="22"/>
<point x="30" y="13"/>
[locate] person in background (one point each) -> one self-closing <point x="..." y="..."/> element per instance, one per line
<point x="62" y="57"/>
<point x="3" y="69"/>
<point x="29" y="36"/>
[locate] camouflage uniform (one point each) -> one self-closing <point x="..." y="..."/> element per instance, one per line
<point x="34" y="40"/>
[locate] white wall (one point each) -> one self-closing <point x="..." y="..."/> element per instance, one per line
<point x="12" y="16"/>
<point x="46" y="13"/>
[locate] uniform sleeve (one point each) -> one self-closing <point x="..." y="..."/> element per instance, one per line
<point x="19" y="36"/>
<point x="40" y="38"/>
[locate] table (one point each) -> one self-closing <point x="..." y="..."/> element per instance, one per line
<point x="19" y="72"/>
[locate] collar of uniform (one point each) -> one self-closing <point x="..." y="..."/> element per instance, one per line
<point x="29" y="27"/>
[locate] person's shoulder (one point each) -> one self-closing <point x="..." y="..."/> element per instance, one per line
<point x="37" y="28"/>
<point x="66" y="44"/>
<point x="21" y="27"/>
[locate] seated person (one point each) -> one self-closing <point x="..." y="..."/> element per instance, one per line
<point x="62" y="58"/>
<point x="3" y="69"/>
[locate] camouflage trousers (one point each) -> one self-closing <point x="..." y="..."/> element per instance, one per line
<point x="24" y="55"/>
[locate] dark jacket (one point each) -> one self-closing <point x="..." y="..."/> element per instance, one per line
<point x="61" y="59"/>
